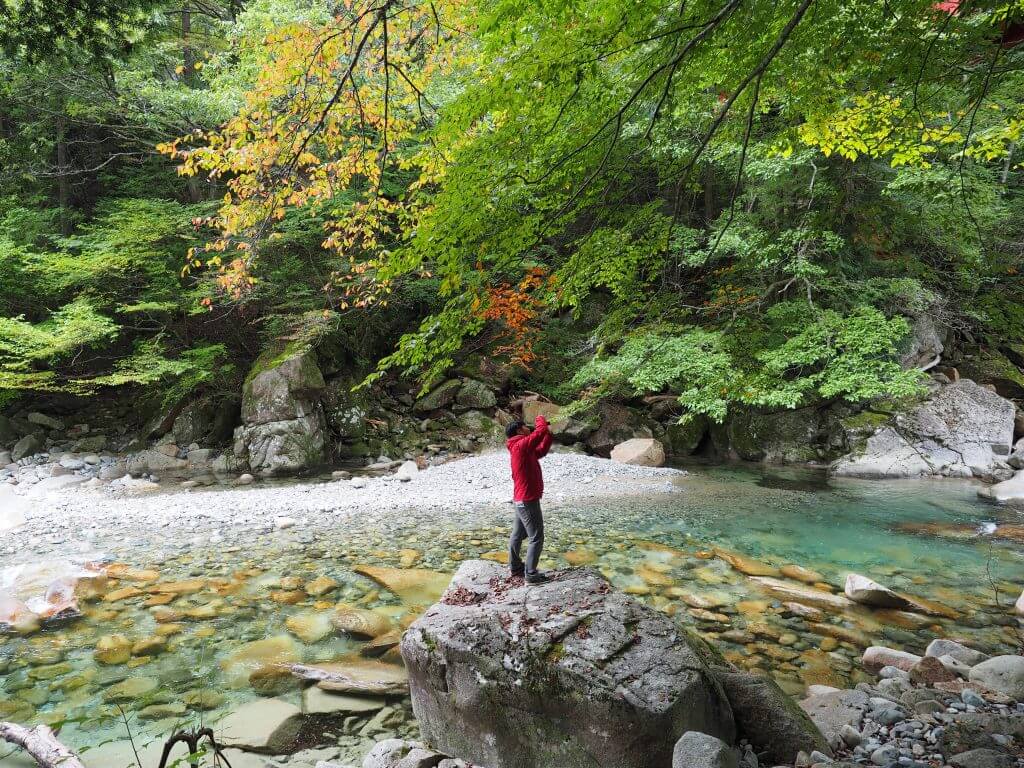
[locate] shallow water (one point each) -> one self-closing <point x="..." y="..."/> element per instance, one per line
<point x="919" y="537"/>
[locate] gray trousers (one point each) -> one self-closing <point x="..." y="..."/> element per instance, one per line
<point x="529" y="523"/>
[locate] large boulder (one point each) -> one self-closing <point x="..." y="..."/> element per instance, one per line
<point x="441" y="396"/>
<point x="923" y="346"/>
<point x="567" y="674"/>
<point x="683" y="439"/>
<point x="282" y="385"/>
<point x="475" y="395"/>
<point x="640" y="451"/>
<point x="1004" y="674"/>
<point x="1008" y="490"/>
<point x="26" y="446"/>
<point x="194" y="422"/>
<point x="283" y="429"/>
<point x="564" y="429"/>
<point x="769" y="719"/>
<point x="617" y="424"/>
<point x="783" y="437"/>
<point x="152" y="460"/>
<point x="962" y="430"/>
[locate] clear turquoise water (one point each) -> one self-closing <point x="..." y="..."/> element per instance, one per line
<point x="775" y="516"/>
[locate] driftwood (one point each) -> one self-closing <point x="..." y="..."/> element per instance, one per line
<point x="41" y="743"/>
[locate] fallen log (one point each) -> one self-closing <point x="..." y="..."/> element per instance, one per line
<point x="41" y="744"/>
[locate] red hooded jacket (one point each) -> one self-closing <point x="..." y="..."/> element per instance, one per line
<point x="526" y="452"/>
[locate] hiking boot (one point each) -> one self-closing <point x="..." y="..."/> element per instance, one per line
<point x="537" y="578"/>
<point x="516" y="574"/>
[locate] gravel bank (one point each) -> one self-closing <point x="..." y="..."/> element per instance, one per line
<point x="81" y="519"/>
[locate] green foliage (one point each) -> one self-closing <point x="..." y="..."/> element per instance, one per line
<point x="794" y="355"/>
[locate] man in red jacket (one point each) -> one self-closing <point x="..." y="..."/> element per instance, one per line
<point x="526" y="447"/>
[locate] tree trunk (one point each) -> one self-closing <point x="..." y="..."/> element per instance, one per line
<point x="189" y="78"/>
<point x="41" y="744"/>
<point x="709" y="194"/>
<point x="63" y="185"/>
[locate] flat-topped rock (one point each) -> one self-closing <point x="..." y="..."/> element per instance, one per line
<point x="563" y="674"/>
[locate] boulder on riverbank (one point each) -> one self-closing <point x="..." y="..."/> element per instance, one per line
<point x="284" y="428"/>
<point x="565" y="674"/>
<point x="570" y="673"/>
<point x="962" y="430"/>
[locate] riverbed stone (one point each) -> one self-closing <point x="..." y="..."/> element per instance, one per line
<point x="317" y="701"/>
<point x="768" y="718"/>
<point x="699" y="750"/>
<point x="265" y="725"/>
<point x="861" y="589"/>
<point x="877" y="656"/>
<point x="1004" y="674"/>
<point x="130" y="689"/>
<point x="982" y="758"/>
<point x="246" y="659"/>
<point x="832" y="710"/>
<point x="26" y="446"/>
<point x="113" y="649"/>
<point x="504" y="676"/>
<point x="943" y="647"/>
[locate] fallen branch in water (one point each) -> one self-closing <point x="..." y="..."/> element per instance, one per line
<point x="41" y="743"/>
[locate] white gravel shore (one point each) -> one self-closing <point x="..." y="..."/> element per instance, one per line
<point x="86" y="518"/>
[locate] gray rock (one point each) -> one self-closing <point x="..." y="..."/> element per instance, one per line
<point x="26" y="446"/>
<point x="768" y="718"/>
<point x="475" y="394"/>
<point x="972" y="698"/>
<point x="683" y="439"/>
<point x="861" y="589"/>
<point x="850" y="736"/>
<point x="1004" y="674"/>
<point x="831" y="711"/>
<point x="45" y="421"/>
<point x="397" y="753"/>
<point x="885" y="754"/>
<point x="5" y="458"/>
<point x="982" y="758"/>
<point x="699" y="750"/>
<point x="152" y="460"/>
<point x="942" y="647"/>
<point x="440" y="397"/>
<point x="8" y="434"/>
<point x="877" y="656"/>
<point x="552" y="675"/>
<point x="284" y="426"/>
<point x="961" y="431"/>
<point x="923" y="346"/>
<point x="1008" y="490"/>
<point x="194" y="422"/>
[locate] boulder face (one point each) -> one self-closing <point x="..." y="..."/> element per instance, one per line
<point x="923" y="346"/>
<point x="640" y="451"/>
<point x="962" y="430"/>
<point x="556" y="675"/>
<point x="783" y="437"/>
<point x="283" y="429"/>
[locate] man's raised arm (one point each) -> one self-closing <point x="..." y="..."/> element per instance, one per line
<point x="540" y="439"/>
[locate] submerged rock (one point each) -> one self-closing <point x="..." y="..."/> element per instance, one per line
<point x="565" y="674"/>
<point x="863" y="590"/>
<point x="266" y="725"/>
